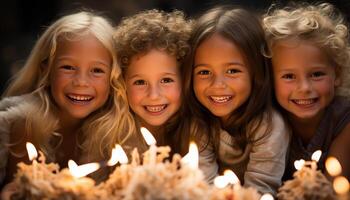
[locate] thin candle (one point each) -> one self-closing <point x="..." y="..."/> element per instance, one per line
<point x="151" y="141"/>
<point x="32" y="154"/>
<point x="118" y="155"/>
<point x="82" y="170"/>
<point x="192" y="157"/>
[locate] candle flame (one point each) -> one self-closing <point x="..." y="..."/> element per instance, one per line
<point x="150" y="140"/>
<point x="266" y="196"/>
<point x="118" y="155"/>
<point x="341" y="185"/>
<point x="231" y="176"/>
<point x="221" y="181"/>
<point x="333" y="166"/>
<point x="82" y="170"/>
<point x="32" y="153"/>
<point x="316" y="155"/>
<point x="298" y="164"/>
<point x="191" y="158"/>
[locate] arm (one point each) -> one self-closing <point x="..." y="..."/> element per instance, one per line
<point x="268" y="157"/>
<point x="207" y="161"/>
<point x="340" y="149"/>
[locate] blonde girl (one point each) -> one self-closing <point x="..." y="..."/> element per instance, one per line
<point x="69" y="98"/>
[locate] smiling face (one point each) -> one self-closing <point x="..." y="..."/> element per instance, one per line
<point x="304" y="79"/>
<point x="221" y="77"/>
<point x="79" y="80"/>
<point x="153" y="87"/>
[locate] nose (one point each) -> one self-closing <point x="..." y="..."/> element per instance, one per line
<point x="81" y="79"/>
<point x="219" y="82"/>
<point x="154" y="91"/>
<point x="304" y="85"/>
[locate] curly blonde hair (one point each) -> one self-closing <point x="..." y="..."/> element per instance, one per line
<point x="321" y="24"/>
<point x="152" y="29"/>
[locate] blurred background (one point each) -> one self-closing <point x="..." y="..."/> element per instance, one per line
<point x="22" y="21"/>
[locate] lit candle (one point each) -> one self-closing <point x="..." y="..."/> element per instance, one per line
<point x="266" y="196"/>
<point x="340" y="183"/>
<point x="192" y="157"/>
<point x="151" y="141"/>
<point x="32" y="154"/>
<point x="118" y="155"/>
<point x="333" y="166"/>
<point x="82" y="170"/>
<point x="221" y="181"/>
<point x="341" y="187"/>
<point x="234" y="180"/>
<point x="315" y="158"/>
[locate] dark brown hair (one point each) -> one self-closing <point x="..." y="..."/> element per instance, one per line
<point x="244" y="30"/>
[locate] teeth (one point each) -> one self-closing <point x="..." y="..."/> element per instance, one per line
<point x="220" y="99"/>
<point x="155" y="108"/>
<point x="80" y="98"/>
<point x="304" y="101"/>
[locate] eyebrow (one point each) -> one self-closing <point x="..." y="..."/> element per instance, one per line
<point x="72" y="59"/>
<point x="163" y="74"/>
<point x="226" y="64"/>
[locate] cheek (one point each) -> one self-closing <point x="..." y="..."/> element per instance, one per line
<point x="134" y="96"/>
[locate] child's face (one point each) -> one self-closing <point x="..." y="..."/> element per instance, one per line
<point x="80" y="77"/>
<point x="304" y="78"/>
<point x="221" y="77"/>
<point x="153" y="87"/>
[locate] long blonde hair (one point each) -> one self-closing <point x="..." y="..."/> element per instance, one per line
<point x="111" y="124"/>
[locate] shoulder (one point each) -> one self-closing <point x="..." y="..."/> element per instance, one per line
<point x="272" y="126"/>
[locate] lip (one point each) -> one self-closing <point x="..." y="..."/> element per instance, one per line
<point x="305" y="103"/>
<point x="155" y="110"/>
<point x="220" y="99"/>
<point x="79" y="99"/>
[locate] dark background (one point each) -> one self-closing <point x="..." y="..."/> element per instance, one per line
<point x="22" y="21"/>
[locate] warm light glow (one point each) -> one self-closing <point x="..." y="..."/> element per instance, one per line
<point x="150" y="140"/>
<point x="266" y="196"/>
<point x="221" y="181"/>
<point x="333" y="166"/>
<point x="341" y="185"/>
<point x="192" y="158"/>
<point x="298" y="164"/>
<point x="316" y="155"/>
<point x="231" y="176"/>
<point x="32" y="153"/>
<point x="82" y="170"/>
<point x="118" y="155"/>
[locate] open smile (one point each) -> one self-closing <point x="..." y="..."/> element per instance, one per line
<point x="80" y="99"/>
<point x="155" y="109"/>
<point x="220" y="99"/>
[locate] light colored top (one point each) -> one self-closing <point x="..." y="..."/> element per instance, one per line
<point x="260" y="165"/>
<point x="11" y="109"/>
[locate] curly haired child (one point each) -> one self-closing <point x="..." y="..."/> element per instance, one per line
<point x="310" y="54"/>
<point x="151" y="48"/>
<point x="69" y="99"/>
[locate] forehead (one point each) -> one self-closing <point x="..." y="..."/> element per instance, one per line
<point x="299" y="52"/>
<point x="153" y="62"/>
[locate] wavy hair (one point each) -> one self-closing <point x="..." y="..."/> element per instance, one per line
<point x="110" y="124"/>
<point x="321" y="24"/>
<point x="155" y="29"/>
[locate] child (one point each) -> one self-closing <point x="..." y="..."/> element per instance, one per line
<point x="68" y="99"/>
<point x="310" y="54"/>
<point x="228" y="88"/>
<point x="151" y="47"/>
